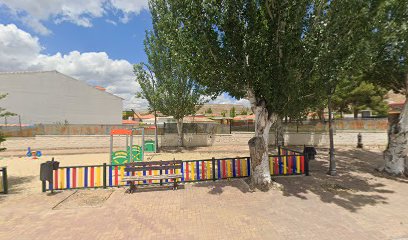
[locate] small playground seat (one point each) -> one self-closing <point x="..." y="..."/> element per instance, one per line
<point x="120" y="157"/>
<point x="137" y="153"/>
<point x="150" y="146"/>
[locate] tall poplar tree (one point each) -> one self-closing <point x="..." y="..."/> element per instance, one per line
<point x="164" y="81"/>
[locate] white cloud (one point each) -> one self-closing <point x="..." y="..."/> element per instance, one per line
<point x="79" y="12"/>
<point x="19" y="51"/>
<point x="226" y="99"/>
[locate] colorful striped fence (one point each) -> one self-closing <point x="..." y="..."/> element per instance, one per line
<point x="102" y="176"/>
<point x="287" y="165"/>
<point x="215" y="169"/>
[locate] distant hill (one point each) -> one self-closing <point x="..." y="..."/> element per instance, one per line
<point x="395" y="97"/>
<point x="217" y="109"/>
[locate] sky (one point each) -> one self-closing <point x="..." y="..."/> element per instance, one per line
<point x="96" y="41"/>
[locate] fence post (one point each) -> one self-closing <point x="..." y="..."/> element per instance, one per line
<point x="5" y="184"/>
<point x="104" y="175"/>
<point x="213" y="168"/>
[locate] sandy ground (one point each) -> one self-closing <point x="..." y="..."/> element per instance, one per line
<point x="24" y="171"/>
<point x="359" y="203"/>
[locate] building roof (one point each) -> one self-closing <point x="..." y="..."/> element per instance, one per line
<point x="98" y="88"/>
<point x="244" y="117"/>
<point x="220" y="117"/>
<point x="129" y="122"/>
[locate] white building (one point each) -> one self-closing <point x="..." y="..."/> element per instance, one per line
<point x="52" y="97"/>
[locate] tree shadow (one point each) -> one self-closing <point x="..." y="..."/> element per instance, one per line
<point x="365" y="161"/>
<point x="15" y="185"/>
<point x="355" y="186"/>
<point x="217" y="187"/>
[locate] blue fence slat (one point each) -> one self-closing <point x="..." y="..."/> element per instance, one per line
<point x="198" y="170"/>
<point x="182" y="172"/>
<point x="86" y="177"/>
<point x="234" y="172"/>
<point x="280" y="165"/>
<point x="219" y="168"/>
<point x="110" y="176"/>
<point x="68" y="175"/>
<point x="249" y="166"/>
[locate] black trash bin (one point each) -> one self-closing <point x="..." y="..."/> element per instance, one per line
<point x="46" y="170"/>
<point x="309" y="152"/>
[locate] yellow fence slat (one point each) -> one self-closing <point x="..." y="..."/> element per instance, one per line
<point x="244" y="167"/>
<point x="192" y="167"/>
<point x="80" y="177"/>
<point x="208" y="167"/>
<point x="62" y="178"/>
<point x="298" y="164"/>
<point x="98" y="176"/>
<point x="122" y="174"/>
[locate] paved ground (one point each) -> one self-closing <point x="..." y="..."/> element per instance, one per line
<point x="358" y="204"/>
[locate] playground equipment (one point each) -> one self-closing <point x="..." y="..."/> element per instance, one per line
<point x="150" y="144"/>
<point x="132" y="153"/>
<point x="34" y="154"/>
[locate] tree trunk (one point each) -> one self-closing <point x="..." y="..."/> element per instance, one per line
<point x="156" y="139"/>
<point x="279" y="133"/>
<point x="395" y="156"/>
<point x="355" y="111"/>
<point x="332" y="167"/>
<point x="258" y="145"/>
<point x="180" y="132"/>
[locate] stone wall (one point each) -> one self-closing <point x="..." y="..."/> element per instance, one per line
<point x="57" y="142"/>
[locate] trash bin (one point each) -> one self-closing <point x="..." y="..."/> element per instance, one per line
<point x="150" y="146"/>
<point x="46" y="170"/>
<point x="310" y="152"/>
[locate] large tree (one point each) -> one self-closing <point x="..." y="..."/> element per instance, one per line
<point x="164" y="81"/>
<point x="389" y="44"/>
<point x="248" y="49"/>
<point x="338" y="38"/>
<point x="275" y="53"/>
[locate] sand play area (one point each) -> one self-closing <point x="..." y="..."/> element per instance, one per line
<point x="360" y="203"/>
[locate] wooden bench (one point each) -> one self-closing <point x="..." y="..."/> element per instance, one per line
<point x="162" y="166"/>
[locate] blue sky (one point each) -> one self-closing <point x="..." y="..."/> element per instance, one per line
<point x="96" y="41"/>
<point x="120" y="41"/>
<point x="123" y="41"/>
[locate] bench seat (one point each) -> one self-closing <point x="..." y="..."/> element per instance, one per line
<point x="160" y="166"/>
<point x="151" y="177"/>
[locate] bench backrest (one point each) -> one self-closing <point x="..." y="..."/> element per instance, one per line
<point x="154" y="165"/>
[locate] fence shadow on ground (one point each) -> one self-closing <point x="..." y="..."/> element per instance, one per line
<point x="356" y="185"/>
<point x="15" y="185"/>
